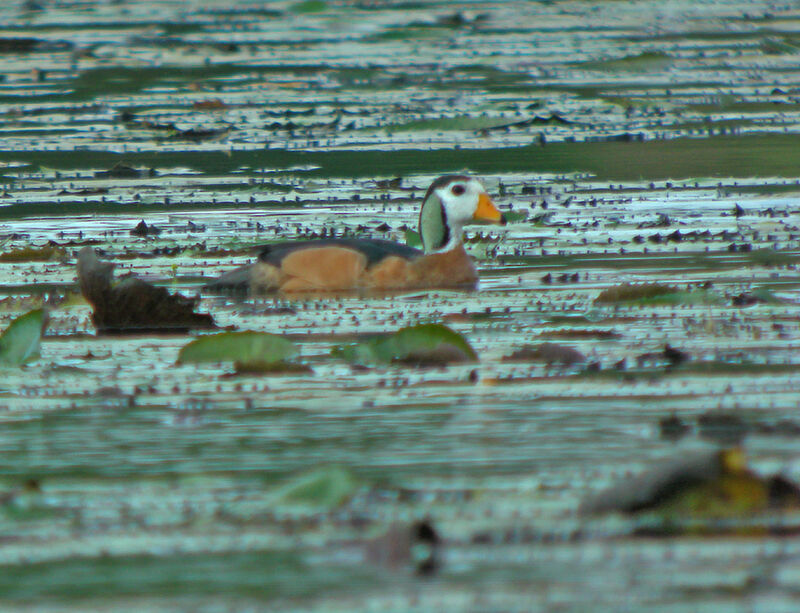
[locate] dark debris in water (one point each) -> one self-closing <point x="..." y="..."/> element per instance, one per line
<point x="133" y="306"/>
<point x="722" y="427"/>
<point x="123" y="171"/>
<point x="673" y="428"/>
<point x="142" y="229"/>
<point x="416" y="546"/>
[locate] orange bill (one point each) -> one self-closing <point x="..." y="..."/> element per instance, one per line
<point x="487" y="211"/>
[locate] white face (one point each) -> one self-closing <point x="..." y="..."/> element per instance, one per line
<point x="460" y="200"/>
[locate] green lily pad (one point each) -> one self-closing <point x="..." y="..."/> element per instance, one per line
<point x="460" y="123"/>
<point x="699" y="296"/>
<point x="310" y="6"/>
<point x="770" y="257"/>
<point x="21" y="341"/>
<point x="327" y="486"/>
<point x="422" y="345"/>
<point x="549" y="353"/>
<point x="515" y="216"/>
<point x="413" y="239"/>
<point x="643" y="62"/>
<point x="654" y="294"/>
<point x="250" y="351"/>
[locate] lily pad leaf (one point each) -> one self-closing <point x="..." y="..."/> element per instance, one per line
<point x="628" y="292"/>
<point x="515" y="216"/>
<point x="327" y="486"/>
<point x="251" y="351"/>
<point x="310" y="6"/>
<point x="549" y="353"/>
<point x="21" y="341"/>
<point x="422" y="345"/>
<point x="46" y="253"/>
<point x="643" y="62"/>
<point x="413" y="239"/>
<point x="655" y="294"/>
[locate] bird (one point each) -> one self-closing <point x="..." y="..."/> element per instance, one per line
<point x="356" y="264"/>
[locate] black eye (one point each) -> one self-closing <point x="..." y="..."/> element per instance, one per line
<point x="457" y="189"/>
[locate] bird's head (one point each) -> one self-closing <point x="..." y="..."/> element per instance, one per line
<point x="451" y="202"/>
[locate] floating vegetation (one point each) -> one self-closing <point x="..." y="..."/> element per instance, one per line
<point x="421" y="345"/>
<point x="249" y="351"/>
<point x="325" y="487"/>
<point x="655" y="294"/>
<point x="582" y="334"/>
<point x="123" y="171"/>
<point x="413" y="239"/>
<point x="643" y="62"/>
<point x="33" y="254"/>
<point x="550" y="353"/>
<point x="628" y="292"/>
<point x="21" y="340"/>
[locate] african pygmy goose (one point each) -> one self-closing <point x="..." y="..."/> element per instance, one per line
<point x="342" y="264"/>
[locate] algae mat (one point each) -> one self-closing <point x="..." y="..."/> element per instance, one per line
<point x="632" y="143"/>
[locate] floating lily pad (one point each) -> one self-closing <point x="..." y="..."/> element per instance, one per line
<point x="655" y="294"/>
<point x="249" y="351"/>
<point x="515" y="216"/>
<point x="413" y="239"/>
<point x="310" y="6"/>
<point x="693" y="368"/>
<point x="447" y="123"/>
<point x="21" y="341"/>
<point x="549" y="353"/>
<point x="33" y="254"/>
<point x="582" y="334"/>
<point x="421" y="345"/>
<point x="770" y="257"/>
<point x="327" y="486"/>
<point x="628" y="292"/>
<point x="643" y="62"/>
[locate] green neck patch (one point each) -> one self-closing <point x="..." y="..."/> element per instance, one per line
<point x="433" y="227"/>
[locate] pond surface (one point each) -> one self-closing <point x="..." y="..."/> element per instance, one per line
<point x="633" y="142"/>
